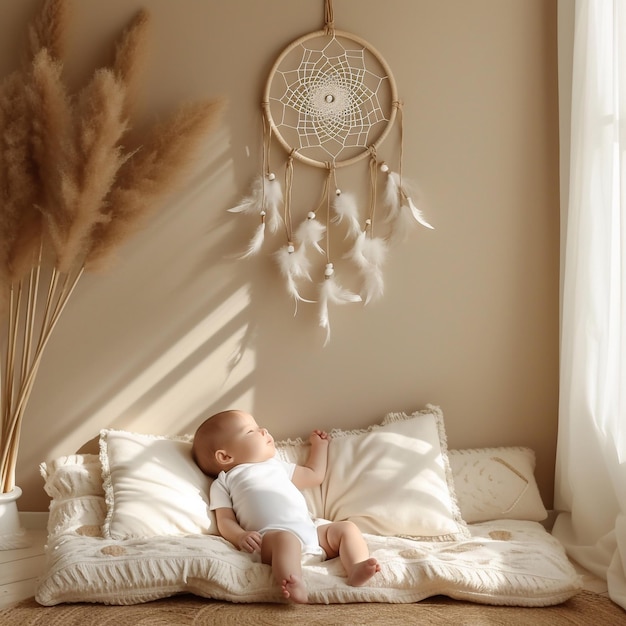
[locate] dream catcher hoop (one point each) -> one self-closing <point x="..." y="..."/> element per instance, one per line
<point x="330" y="100"/>
<point x="337" y="104"/>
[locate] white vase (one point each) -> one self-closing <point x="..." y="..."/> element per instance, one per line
<point x="12" y="535"/>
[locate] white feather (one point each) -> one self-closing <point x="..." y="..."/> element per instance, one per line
<point x="373" y="284"/>
<point x="256" y="242"/>
<point x="374" y="250"/>
<point x="253" y="201"/>
<point x="402" y="226"/>
<point x="392" y="195"/>
<point x="417" y="213"/>
<point x="345" y="207"/>
<point x="293" y="265"/>
<point x="309" y="233"/>
<point x="399" y="199"/>
<point x="273" y="202"/>
<point x="369" y="254"/>
<point x="265" y="195"/>
<point x="332" y="292"/>
<point x="355" y="254"/>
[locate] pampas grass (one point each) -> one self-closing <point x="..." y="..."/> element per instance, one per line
<point x="153" y="171"/>
<point x="72" y="191"/>
<point x="49" y="30"/>
<point x="130" y="54"/>
<point x="18" y="182"/>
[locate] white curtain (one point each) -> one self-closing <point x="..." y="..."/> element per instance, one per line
<point x="591" y="450"/>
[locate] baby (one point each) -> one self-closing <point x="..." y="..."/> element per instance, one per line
<point x="259" y="507"/>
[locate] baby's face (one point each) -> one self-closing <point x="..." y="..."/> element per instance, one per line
<point x="247" y="442"/>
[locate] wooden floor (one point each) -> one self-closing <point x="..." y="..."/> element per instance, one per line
<point x="19" y="569"/>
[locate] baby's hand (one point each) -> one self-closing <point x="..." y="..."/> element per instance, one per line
<point x="250" y="541"/>
<point x="318" y="437"/>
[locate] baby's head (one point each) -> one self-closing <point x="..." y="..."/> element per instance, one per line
<point x="228" y="439"/>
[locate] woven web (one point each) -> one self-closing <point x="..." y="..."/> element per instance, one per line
<point x="332" y="99"/>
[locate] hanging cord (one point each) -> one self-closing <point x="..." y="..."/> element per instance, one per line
<point x="267" y="175"/>
<point x="267" y="143"/>
<point x="288" y="187"/>
<point x="399" y="108"/>
<point x="330" y="167"/>
<point x="373" y="165"/>
<point x="329" y="18"/>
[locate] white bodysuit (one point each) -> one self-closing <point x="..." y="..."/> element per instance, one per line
<point x="263" y="498"/>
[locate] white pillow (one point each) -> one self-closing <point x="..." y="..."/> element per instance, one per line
<point x="77" y="504"/>
<point x="497" y="483"/>
<point x="153" y="487"/>
<point x="72" y="476"/>
<point x="394" y="478"/>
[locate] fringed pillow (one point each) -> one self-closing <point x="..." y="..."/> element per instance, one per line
<point x="153" y="487"/>
<point x="74" y="484"/>
<point x="393" y="478"/>
<point x="497" y="483"/>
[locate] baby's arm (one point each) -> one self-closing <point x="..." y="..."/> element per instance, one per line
<point x="313" y="471"/>
<point x="227" y="524"/>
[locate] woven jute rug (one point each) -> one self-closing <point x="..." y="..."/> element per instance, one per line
<point x="584" y="609"/>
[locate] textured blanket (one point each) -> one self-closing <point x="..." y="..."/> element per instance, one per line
<point x="505" y="562"/>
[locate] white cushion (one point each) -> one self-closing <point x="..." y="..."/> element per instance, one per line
<point x="392" y="478"/>
<point x="73" y="475"/>
<point x="497" y="483"/>
<point x="153" y="487"/>
<point x="74" y="483"/>
<point x="504" y="562"/>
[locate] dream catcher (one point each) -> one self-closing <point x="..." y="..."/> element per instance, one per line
<point x="330" y="100"/>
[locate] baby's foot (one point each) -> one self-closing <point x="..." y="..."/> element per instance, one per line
<point x="362" y="572"/>
<point x="295" y="590"/>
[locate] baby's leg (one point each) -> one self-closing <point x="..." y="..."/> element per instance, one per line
<point x="345" y="540"/>
<point x="283" y="551"/>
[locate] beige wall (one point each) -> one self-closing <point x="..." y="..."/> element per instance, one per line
<point x="469" y="321"/>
